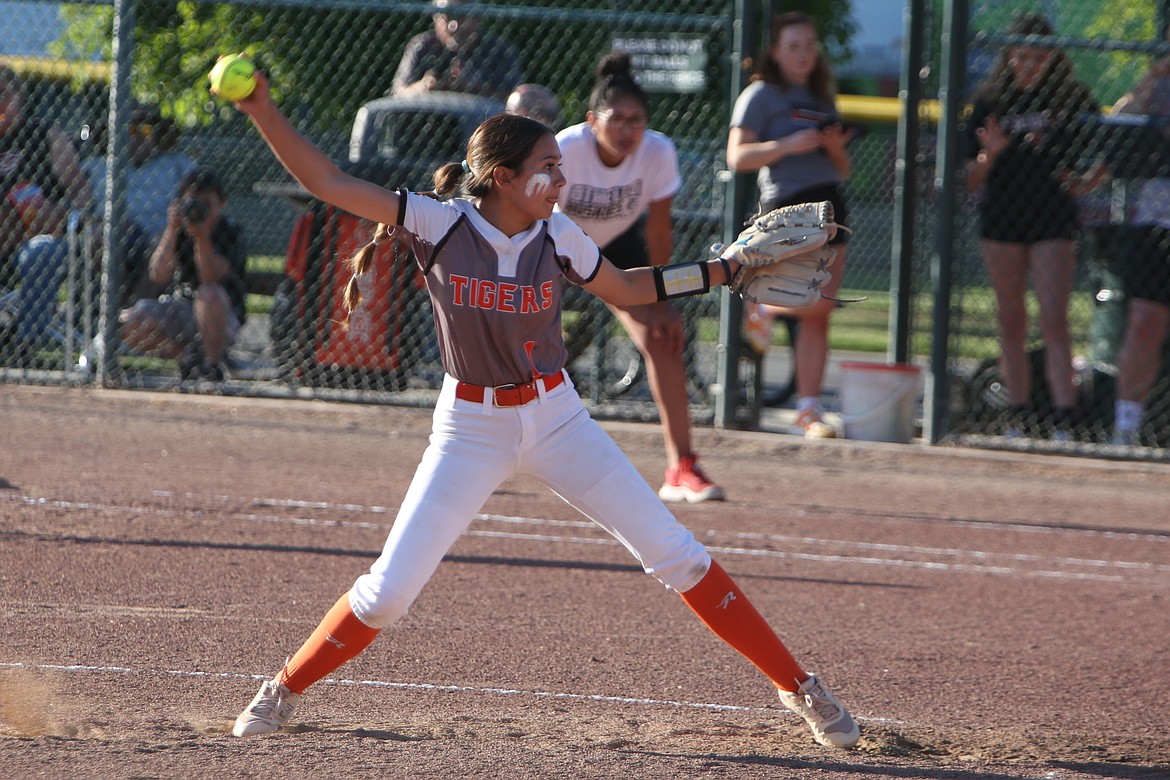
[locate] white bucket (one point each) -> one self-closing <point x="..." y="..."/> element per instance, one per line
<point x="878" y="401"/>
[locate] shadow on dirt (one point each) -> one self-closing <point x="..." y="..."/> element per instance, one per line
<point x="924" y="771"/>
<point x="1119" y="771"/>
<point x="488" y="560"/>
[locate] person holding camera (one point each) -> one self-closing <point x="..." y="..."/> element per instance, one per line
<point x="200" y="259"/>
<point x="156" y="169"/>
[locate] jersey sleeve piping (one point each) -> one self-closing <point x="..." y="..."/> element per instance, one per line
<point x="442" y="242"/>
<point x="596" y="268"/>
<point x="401" y="218"/>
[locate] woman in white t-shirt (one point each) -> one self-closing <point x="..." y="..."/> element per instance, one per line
<point x="617" y="171"/>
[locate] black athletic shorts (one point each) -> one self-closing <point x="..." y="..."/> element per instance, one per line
<point x="629" y="249"/>
<point x="829" y="192"/>
<point x="1140" y="255"/>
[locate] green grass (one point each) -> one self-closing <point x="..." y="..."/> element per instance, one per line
<point x="262" y="264"/>
<point x="258" y="304"/>
<point x="864" y="326"/>
<point x="266" y="264"/>
<point x="861" y="326"/>
<point x="855" y="327"/>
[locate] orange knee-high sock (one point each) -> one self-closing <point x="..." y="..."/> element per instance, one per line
<point x="719" y="603"/>
<point x="339" y="637"/>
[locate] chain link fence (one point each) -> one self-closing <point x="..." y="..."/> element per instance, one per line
<point x="350" y="86"/>
<point x="334" y="67"/>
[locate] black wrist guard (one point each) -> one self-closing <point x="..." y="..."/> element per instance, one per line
<point x="680" y="281"/>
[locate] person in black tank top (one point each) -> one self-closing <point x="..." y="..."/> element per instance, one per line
<point x="1022" y="149"/>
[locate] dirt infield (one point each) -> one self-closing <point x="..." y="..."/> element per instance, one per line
<point x="985" y="615"/>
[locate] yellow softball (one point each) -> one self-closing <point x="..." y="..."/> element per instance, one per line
<point x="233" y="77"/>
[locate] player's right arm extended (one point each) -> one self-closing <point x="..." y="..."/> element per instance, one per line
<point x="310" y="166"/>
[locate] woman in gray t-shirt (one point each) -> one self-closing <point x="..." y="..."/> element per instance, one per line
<point x="785" y="125"/>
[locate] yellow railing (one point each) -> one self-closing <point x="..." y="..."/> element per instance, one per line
<point x="50" y="67"/>
<point x="855" y="108"/>
<point x="882" y="110"/>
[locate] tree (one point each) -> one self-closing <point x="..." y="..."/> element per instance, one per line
<point x="325" y="60"/>
<point x="322" y="62"/>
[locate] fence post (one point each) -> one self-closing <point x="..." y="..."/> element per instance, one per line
<point x="905" y="179"/>
<point x="745" y="27"/>
<point x="954" y="69"/>
<point x="117" y="160"/>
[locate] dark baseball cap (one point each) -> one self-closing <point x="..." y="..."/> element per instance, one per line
<point x="203" y="179"/>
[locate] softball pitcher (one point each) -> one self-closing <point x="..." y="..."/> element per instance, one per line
<point x="494" y="263"/>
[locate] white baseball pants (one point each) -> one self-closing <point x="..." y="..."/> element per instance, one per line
<point x="474" y="448"/>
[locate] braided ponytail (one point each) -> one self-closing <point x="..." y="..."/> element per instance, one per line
<point x="503" y="140"/>
<point x="360" y="263"/>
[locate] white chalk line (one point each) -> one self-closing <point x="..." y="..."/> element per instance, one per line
<point x="1135" y="536"/>
<point x="1054" y="563"/>
<point x="82" y="611"/>
<point x="411" y="686"/>
<point x="989" y="525"/>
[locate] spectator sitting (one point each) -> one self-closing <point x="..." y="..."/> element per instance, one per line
<point x="458" y="57"/>
<point x="535" y="101"/>
<point x="201" y="259"/>
<point x="40" y="180"/>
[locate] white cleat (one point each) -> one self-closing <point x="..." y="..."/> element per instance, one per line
<point x="831" y="723"/>
<point x="268" y="712"/>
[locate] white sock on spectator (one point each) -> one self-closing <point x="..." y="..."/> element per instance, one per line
<point x="1127" y="415"/>
<point x="808" y="402"/>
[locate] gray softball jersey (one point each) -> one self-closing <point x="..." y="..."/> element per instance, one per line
<point x="494" y="294"/>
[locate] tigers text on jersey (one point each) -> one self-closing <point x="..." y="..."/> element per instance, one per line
<point x="493" y="294"/>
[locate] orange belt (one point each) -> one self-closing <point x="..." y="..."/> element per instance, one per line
<point x="509" y="395"/>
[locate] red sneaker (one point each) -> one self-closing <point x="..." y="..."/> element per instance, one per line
<point x="687" y="482"/>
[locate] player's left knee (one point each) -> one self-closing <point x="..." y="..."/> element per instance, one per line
<point x="378" y="608"/>
<point x="683" y="576"/>
<point x="681" y="563"/>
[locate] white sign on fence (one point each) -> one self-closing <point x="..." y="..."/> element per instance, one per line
<point x="666" y="62"/>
